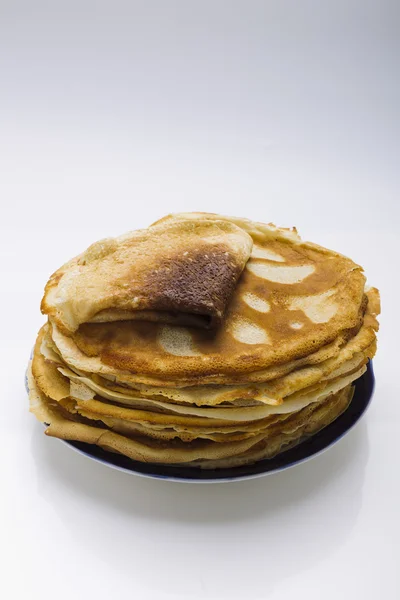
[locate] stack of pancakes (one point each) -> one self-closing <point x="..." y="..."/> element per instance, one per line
<point x="203" y="341"/>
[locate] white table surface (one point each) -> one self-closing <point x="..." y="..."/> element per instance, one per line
<point x="115" y="113"/>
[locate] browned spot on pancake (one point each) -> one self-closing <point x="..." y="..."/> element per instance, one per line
<point x="196" y="281"/>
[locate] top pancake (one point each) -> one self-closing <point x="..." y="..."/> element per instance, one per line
<point x="180" y="272"/>
<point x="292" y="299"/>
<point x="276" y="386"/>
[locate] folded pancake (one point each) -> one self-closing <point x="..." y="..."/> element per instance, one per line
<point x="292" y="299"/>
<point x="183" y="272"/>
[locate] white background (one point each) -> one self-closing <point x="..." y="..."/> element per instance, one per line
<point x="115" y="113"/>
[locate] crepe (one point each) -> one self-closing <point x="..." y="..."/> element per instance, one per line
<point x="203" y="453"/>
<point x="79" y="398"/>
<point x="104" y="351"/>
<point x="182" y="272"/>
<point x="270" y="392"/>
<point x="270" y="447"/>
<point x="292" y="299"/>
<point x="205" y="341"/>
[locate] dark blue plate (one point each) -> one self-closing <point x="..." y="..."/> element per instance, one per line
<point x="364" y="388"/>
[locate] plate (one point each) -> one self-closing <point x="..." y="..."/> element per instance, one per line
<point x="314" y="446"/>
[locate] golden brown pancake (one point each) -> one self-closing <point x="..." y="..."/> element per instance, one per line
<point x="179" y="356"/>
<point x="270" y="392"/>
<point x="182" y="272"/>
<point x="82" y="399"/>
<point x="292" y="299"/>
<point x="205" y="341"/>
<point x="199" y="452"/>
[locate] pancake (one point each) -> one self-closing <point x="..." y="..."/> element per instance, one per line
<point x="77" y="360"/>
<point x="271" y="392"/>
<point x="143" y="410"/>
<point x="204" y="340"/>
<point x="287" y="423"/>
<point x="182" y="272"/>
<point x="138" y="400"/>
<point x="280" y="311"/>
<point x="145" y="449"/>
<point x="270" y="447"/>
